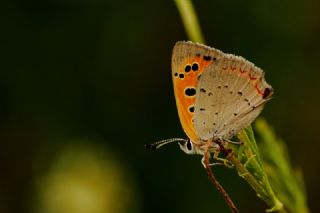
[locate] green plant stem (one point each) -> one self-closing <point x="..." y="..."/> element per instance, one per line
<point x="190" y="20"/>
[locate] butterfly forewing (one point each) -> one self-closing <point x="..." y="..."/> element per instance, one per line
<point x="189" y="60"/>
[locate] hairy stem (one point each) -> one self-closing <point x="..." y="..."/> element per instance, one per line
<point x="214" y="181"/>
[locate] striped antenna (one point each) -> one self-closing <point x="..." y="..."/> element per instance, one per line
<point x="161" y="143"/>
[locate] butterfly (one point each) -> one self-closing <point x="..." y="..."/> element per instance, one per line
<point x="217" y="95"/>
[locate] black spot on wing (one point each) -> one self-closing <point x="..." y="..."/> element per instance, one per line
<point x="187" y="68"/>
<point x="190" y="91"/>
<point x="206" y="57"/>
<point x="267" y="92"/>
<point x="195" y="67"/>
<point x="203" y="90"/>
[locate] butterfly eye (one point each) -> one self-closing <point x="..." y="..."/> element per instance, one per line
<point x="189" y="145"/>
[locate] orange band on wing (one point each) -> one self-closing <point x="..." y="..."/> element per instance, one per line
<point x="185" y="81"/>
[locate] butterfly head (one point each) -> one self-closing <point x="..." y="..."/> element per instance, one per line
<point x="190" y="148"/>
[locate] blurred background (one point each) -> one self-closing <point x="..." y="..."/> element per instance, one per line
<point x="85" y="84"/>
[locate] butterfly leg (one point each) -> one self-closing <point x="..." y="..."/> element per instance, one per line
<point x="219" y="161"/>
<point x="216" y="164"/>
<point x="223" y="161"/>
<point x="211" y="164"/>
<point x="233" y="142"/>
<point x="214" y="151"/>
<point x="203" y="162"/>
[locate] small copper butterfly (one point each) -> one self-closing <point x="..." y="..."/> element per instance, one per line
<point x="217" y="95"/>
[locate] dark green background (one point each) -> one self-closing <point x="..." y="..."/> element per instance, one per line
<point x="97" y="74"/>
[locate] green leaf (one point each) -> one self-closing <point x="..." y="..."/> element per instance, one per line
<point x="286" y="181"/>
<point x="249" y="156"/>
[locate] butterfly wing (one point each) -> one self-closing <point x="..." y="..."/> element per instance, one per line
<point x="189" y="60"/>
<point x="230" y="95"/>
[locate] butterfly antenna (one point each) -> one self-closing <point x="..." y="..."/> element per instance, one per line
<point x="161" y="143"/>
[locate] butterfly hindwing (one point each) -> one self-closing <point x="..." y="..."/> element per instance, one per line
<point x="230" y="95"/>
